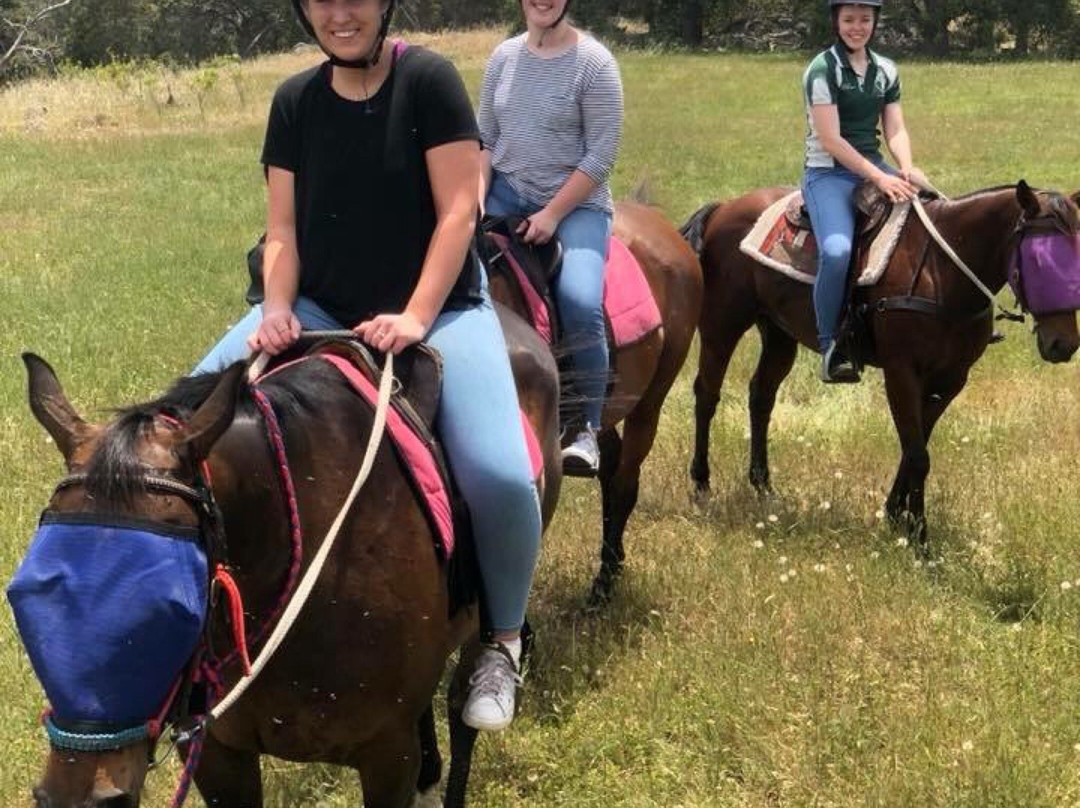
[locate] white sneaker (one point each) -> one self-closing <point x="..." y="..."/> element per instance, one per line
<point x="582" y="457"/>
<point x="492" y="689"/>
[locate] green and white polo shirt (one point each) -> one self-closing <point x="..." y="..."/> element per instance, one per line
<point x="830" y="79"/>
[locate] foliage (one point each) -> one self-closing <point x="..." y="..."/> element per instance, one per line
<point x="189" y="31"/>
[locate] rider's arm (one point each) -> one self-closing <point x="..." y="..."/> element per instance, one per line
<point x="453" y="169"/>
<point x="281" y="260"/>
<point x="602" y="118"/>
<point x="488" y="123"/>
<point x="896" y="136"/>
<point x="279" y="327"/>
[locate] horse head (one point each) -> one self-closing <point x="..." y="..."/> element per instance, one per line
<point x="1045" y="272"/>
<point x="129" y="472"/>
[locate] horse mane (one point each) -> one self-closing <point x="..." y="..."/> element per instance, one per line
<point x="115" y="474"/>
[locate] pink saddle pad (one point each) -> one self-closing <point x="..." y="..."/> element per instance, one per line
<point x="415" y="452"/>
<point x="628" y="301"/>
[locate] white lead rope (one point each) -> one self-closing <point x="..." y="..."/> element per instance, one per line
<point x="924" y="217"/>
<point x="307" y="583"/>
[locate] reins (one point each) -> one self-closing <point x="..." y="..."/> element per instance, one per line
<point x="935" y="234"/>
<point x="307" y="583"/>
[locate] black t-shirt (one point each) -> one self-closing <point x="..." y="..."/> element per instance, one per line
<point x="365" y="213"/>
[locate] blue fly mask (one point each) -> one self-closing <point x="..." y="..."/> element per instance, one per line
<point x="110" y="609"/>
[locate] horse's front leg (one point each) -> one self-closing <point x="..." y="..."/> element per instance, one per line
<point x="905" y="391"/>
<point x="227" y="777"/>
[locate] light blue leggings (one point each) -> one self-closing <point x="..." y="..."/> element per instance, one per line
<point x="828" y="193"/>
<point x="579" y="291"/>
<point x="479" y="424"/>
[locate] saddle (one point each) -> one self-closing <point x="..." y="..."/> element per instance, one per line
<point x="873" y="206"/>
<point x="782" y="238"/>
<point x="630" y="309"/>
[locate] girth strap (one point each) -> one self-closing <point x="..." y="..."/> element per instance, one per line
<point x="922" y="305"/>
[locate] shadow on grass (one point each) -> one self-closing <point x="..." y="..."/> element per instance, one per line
<point x="575" y="645"/>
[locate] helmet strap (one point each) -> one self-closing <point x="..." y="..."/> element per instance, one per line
<point x="836" y="28"/>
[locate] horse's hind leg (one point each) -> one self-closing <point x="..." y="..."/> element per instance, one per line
<point x="716" y="351"/>
<point x="778" y="351"/>
<point x="611" y="549"/>
<point x="228" y="778"/>
<point x="462" y="736"/>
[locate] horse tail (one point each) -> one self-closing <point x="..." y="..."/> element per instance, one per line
<point x="694" y="229"/>
<point x="642" y="193"/>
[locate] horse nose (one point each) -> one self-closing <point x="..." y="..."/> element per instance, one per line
<point x="41" y="798"/>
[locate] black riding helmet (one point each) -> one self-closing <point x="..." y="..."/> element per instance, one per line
<point x="372" y="58"/>
<point x="834" y="10"/>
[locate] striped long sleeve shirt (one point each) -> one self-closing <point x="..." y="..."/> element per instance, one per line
<point x="543" y="118"/>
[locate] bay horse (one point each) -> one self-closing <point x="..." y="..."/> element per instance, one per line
<point x="642" y="373"/>
<point x="925" y="349"/>
<point x="354" y="680"/>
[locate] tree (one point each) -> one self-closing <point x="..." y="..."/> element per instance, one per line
<point x="17" y="37"/>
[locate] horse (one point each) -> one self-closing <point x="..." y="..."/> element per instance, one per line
<point x="642" y="373"/>
<point x="926" y="323"/>
<point x="353" y="683"/>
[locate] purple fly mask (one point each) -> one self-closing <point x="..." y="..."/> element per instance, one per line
<point x="1045" y="276"/>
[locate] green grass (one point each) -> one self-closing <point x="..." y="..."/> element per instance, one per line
<point x="779" y="653"/>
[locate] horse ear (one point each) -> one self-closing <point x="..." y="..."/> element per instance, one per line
<point x="51" y="407"/>
<point x="214" y="416"/>
<point x="1029" y="202"/>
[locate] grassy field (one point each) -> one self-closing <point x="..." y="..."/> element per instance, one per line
<point x="782" y="653"/>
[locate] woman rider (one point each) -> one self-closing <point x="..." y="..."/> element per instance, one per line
<point x="550" y="116"/>
<point x="372" y="162"/>
<point x="848" y="89"/>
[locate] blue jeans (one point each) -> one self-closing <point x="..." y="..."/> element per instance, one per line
<point x="479" y="424"/>
<point x="579" y="291"/>
<point x="827" y="193"/>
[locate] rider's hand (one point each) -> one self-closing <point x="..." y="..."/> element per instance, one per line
<point x="539" y="228"/>
<point x="391" y="332"/>
<point x="916" y="177"/>
<point x="897" y="189"/>
<point x="278" y="330"/>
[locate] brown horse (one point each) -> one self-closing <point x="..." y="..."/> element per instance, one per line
<point x="925" y="347"/>
<point x="642" y="373"/>
<point x="353" y="683"/>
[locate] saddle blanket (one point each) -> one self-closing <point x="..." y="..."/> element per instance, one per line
<point x="775" y="242"/>
<point x="629" y="305"/>
<point x="415" y="452"/>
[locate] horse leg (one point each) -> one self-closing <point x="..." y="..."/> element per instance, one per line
<point x="904" y="390"/>
<point x="389" y="768"/>
<point x="430" y="759"/>
<point x="611" y="551"/>
<point x="226" y="777"/>
<point x="462" y="736"/>
<point x="778" y="351"/>
<point x="900" y="501"/>
<point x="716" y="351"/>
<point x="620" y="491"/>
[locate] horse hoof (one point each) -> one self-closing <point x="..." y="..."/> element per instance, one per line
<point x="432" y="798"/>
<point x="600" y="594"/>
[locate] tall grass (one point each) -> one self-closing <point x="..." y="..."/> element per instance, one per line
<point x="759" y="653"/>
